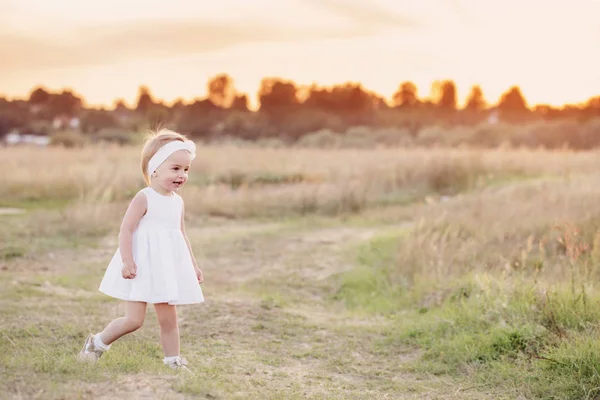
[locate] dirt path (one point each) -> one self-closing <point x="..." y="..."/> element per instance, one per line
<point x="11" y="211"/>
<point x="271" y="300"/>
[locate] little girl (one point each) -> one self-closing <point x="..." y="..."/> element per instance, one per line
<point x="154" y="262"/>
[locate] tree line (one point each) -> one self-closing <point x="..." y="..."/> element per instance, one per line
<point x="285" y="110"/>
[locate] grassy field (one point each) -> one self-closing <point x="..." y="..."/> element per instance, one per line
<point x="338" y="274"/>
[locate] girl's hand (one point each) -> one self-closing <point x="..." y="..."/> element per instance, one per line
<point x="199" y="275"/>
<point x="129" y="271"/>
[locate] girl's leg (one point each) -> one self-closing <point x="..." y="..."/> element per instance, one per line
<point x="169" y="330"/>
<point x="135" y="313"/>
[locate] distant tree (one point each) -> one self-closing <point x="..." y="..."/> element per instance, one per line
<point x="592" y="107"/>
<point x="241" y="124"/>
<point x="278" y="104"/>
<point x="546" y="112"/>
<point x="39" y="96"/>
<point x="145" y="100"/>
<point x="177" y="108"/>
<point x="221" y="90"/>
<point x="240" y="102"/>
<point x="7" y="123"/>
<point x="351" y="98"/>
<point x="201" y="107"/>
<point x="178" y="104"/>
<point x="64" y="103"/>
<point x="95" y="120"/>
<point x="406" y="95"/>
<point x="158" y="114"/>
<point x="512" y="101"/>
<point x="513" y="106"/>
<point x="593" y="103"/>
<point x="276" y="95"/>
<point x="444" y="94"/>
<point x="348" y="104"/>
<point x="198" y="118"/>
<point x="319" y="98"/>
<point x="120" y="105"/>
<point x="13" y="115"/>
<point x="475" y="100"/>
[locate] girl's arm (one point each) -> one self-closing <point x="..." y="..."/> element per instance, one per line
<point x="187" y="240"/>
<point x="135" y="211"/>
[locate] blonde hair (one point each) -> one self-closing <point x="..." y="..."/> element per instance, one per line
<point x="155" y="142"/>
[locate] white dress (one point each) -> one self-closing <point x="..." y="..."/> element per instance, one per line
<point x="165" y="272"/>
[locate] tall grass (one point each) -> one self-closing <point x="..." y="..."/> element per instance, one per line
<point x="243" y="182"/>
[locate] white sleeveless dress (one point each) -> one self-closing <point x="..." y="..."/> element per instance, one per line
<point x="165" y="272"/>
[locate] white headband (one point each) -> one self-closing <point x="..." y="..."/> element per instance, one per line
<point x="164" y="152"/>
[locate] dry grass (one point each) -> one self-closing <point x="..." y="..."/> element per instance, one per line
<point x="509" y="229"/>
<point x="241" y="182"/>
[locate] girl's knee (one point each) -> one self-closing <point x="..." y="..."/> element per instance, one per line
<point x="134" y="316"/>
<point x="134" y="324"/>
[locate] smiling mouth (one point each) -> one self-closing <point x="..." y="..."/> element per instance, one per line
<point x="178" y="183"/>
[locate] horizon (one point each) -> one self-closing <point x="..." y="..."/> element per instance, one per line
<point x="95" y="49"/>
<point x="254" y="104"/>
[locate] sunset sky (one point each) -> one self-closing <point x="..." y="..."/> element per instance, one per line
<point x="106" y="49"/>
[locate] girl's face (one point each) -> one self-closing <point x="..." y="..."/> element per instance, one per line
<point x="172" y="174"/>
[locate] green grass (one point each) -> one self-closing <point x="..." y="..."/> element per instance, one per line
<point x="81" y="278"/>
<point x="367" y="287"/>
<point x="42" y="231"/>
<point x="514" y="334"/>
<point x="44" y="349"/>
<point x="202" y="387"/>
<point x="568" y="371"/>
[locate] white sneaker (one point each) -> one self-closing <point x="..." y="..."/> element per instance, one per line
<point x="179" y="364"/>
<point x="89" y="352"/>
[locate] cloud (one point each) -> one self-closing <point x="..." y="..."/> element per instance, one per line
<point x="104" y="44"/>
<point x="460" y="10"/>
<point x="367" y="16"/>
